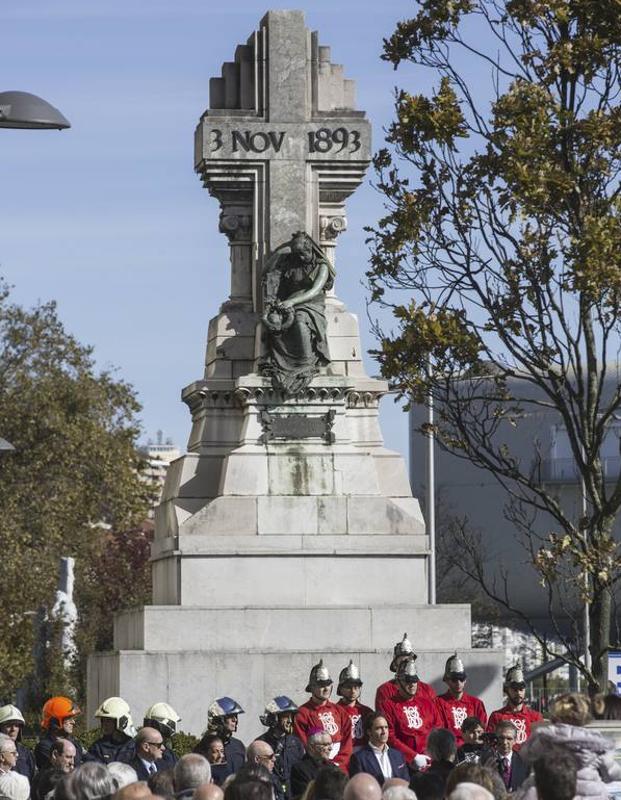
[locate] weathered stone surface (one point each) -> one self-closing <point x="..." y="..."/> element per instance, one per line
<point x="274" y="550"/>
<point x="256" y="675"/>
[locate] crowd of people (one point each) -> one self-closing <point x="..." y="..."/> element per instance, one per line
<point x="413" y="746"/>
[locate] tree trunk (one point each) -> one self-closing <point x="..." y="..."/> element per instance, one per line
<point x="600" y="617"/>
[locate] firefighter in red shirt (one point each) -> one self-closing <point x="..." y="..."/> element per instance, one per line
<point x="411" y="717"/>
<point x="455" y="705"/>
<point x="319" y="712"/>
<point x="402" y="651"/>
<point x="516" y="710"/>
<point x="348" y="689"/>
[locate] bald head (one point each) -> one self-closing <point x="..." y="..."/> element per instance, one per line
<point x="208" y="791"/>
<point x="362" y="787"/>
<point x="394" y="782"/>
<point x="135" y="791"/>
<point x="261" y="753"/>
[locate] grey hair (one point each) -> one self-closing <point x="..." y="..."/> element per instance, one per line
<point x="92" y="781"/>
<point x="470" y="791"/>
<point x="399" y="793"/>
<point x="122" y="774"/>
<point x="314" y="737"/>
<point x="190" y="771"/>
<point x="5" y="741"/>
<point x="506" y="725"/>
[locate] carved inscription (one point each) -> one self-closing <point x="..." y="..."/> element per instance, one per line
<point x="322" y="140"/>
<point x="297" y="426"/>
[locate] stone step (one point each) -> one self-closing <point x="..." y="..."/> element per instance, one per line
<point x="267" y="629"/>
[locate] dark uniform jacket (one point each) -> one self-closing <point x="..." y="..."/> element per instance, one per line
<point x="26" y="764"/>
<point x="288" y="750"/>
<point x="108" y="748"/>
<point x="235" y="753"/>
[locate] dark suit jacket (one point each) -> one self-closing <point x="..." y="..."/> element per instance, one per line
<point x="519" y="770"/>
<point x="303" y="773"/>
<point x="364" y="760"/>
<point x="140" y="768"/>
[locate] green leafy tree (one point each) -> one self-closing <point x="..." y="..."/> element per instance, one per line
<point x="75" y="468"/>
<point x="503" y="225"/>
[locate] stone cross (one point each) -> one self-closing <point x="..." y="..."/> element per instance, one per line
<point x="281" y="146"/>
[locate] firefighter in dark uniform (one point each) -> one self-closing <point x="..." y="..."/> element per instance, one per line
<point x="117" y="730"/>
<point x="288" y="749"/>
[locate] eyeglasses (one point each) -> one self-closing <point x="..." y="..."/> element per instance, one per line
<point x="271" y="757"/>
<point x="157" y="744"/>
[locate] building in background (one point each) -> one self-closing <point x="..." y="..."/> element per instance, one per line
<point x="159" y="454"/>
<point x="539" y="440"/>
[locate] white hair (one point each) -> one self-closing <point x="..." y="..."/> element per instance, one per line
<point x="470" y="791"/>
<point x="122" y="774"/>
<point x="398" y="793"/>
<point x="190" y="771"/>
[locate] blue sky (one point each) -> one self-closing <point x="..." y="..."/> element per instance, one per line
<point x="109" y="218"/>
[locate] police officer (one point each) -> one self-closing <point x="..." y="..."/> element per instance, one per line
<point x="58" y="721"/>
<point x="222" y="718"/>
<point x="117" y="730"/>
<point x="288" y="749"/>
<point x="12" y="724"/>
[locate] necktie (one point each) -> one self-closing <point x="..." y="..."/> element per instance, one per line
<point x="152" y="769"/>
<point x="506" y="771"/>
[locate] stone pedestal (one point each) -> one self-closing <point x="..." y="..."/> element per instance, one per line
<point x="287" y="532"/>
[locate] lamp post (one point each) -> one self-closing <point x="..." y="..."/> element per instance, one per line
<point x="28" y="111"/>
<point x="25" y="110"/>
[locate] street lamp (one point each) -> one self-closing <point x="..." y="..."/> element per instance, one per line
<point x="25" y="110"/>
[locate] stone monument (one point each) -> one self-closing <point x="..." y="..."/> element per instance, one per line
<point x="287" y="531"/>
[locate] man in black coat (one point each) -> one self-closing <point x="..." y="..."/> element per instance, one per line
<point x="149" y="747"/>
<point x="318" y="748"/>
<point x="62" y="762"/>
<point x="376" y="758"/>
<point x="506" y="760"/>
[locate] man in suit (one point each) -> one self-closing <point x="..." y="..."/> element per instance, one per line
<point x="318" y="746"/>
<point x="511" y="768"/>
<point x="149" y="748"/>
<point x="376" y="758"/>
